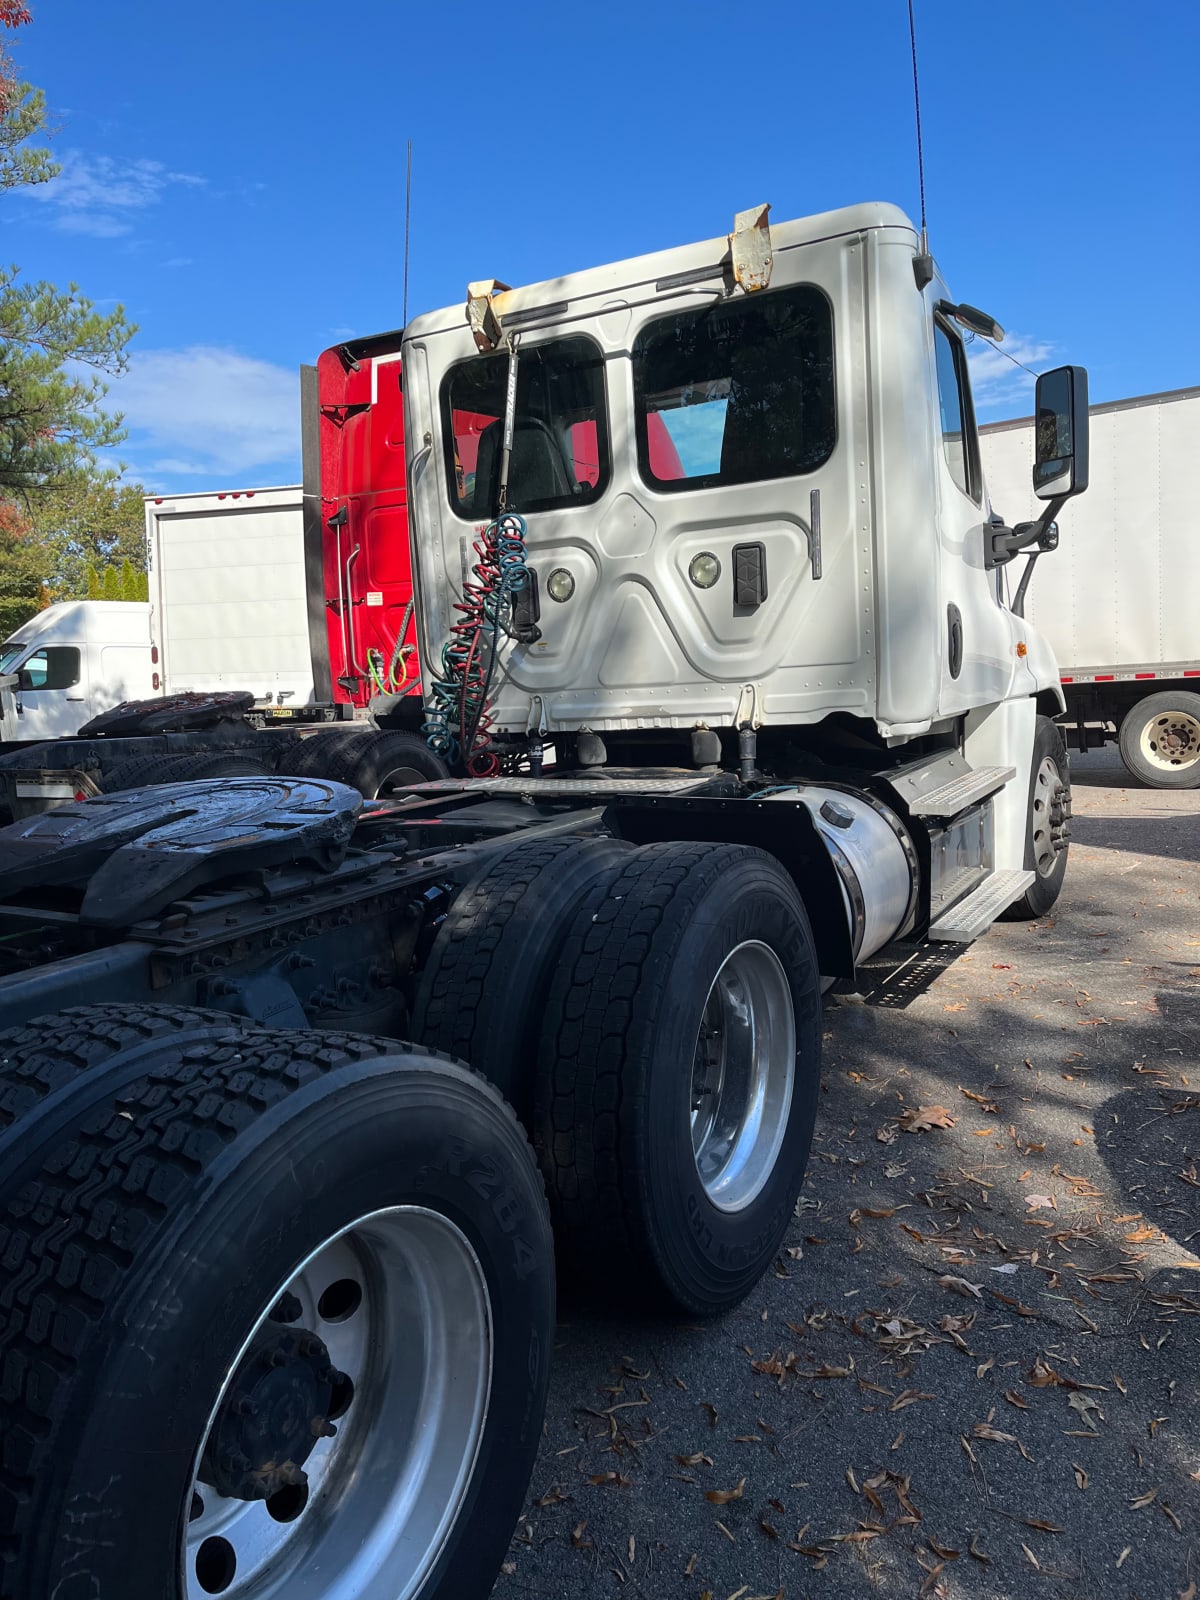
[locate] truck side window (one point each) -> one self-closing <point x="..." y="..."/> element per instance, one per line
<point x="54" y="667"/>
<point x="736" y="392"/>
<point x="959" y="441"/>
<point x="560" y="442"/>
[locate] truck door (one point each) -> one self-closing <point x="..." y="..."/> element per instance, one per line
<point x="51" y="694"/>
<point x="978" y="659"/>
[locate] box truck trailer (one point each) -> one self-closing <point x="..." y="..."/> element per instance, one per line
<point x="1115" y="602"/>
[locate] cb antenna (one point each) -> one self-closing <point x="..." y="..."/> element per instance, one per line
<point x="408" y="216"/>
<point x="922" y="263"/>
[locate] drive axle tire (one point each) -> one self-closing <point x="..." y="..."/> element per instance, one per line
<point x="53" y="1067"/>
<point x="678" y="1074"/>
<point x="150" y="771"/>
<point x="275" y="1317"/>
<point x="482" y="991"/>
<point x="1160" y="740"/>
<point x="377" y="763"/>
<point x="1047" y="829"/>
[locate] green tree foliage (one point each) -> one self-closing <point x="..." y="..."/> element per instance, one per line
<point x="86" y="522"/>
<point x="50" y="417"/>
<point x="112" y="584"/>
<point x="93" y="583"/>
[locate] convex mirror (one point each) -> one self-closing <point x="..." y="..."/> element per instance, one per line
<point x="1060" y="459"/>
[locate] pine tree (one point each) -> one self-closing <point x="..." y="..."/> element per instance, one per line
<point x="111" y="587"/>
<point x="94" y="589"/>
<point x="49" y="337"/>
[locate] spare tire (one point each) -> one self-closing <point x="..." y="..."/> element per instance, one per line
<point x="262" y="1267"/>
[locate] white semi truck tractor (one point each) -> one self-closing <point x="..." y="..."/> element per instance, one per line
<point x="715" y="642"/>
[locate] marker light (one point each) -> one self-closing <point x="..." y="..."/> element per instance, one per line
<point x="560" y="585"/>
<point x="704" y="570"/>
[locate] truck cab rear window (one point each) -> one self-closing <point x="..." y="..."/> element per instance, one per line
<point x="736" y="392"/>
<point x="560" y="444"/>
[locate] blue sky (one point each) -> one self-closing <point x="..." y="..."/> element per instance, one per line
<point x="235" y="176"/>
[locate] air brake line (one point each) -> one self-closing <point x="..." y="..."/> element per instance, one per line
<point x="458" y="714"/>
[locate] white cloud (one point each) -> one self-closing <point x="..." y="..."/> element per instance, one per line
<point x="996" y="383"/>
<point x="99" y="195"/>
<point x="209" y="412"/>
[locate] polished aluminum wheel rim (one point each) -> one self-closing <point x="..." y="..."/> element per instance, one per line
<point x="1047" y="788"/>
<point x="743" y="1074"/>
<point x="1171" y="741"/>
<point x="400" y="1302"/>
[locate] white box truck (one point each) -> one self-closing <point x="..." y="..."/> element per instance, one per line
<point x="227" y="586"/>
<point x="1116" y="602"/>
<point x="70" y="663"/>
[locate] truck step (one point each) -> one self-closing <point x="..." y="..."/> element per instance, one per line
<point x="962" y="791"/>
<point x="975" y="915"/>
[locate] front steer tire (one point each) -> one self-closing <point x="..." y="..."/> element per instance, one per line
<point x="153" y="1255"/>
<point x="1048" y="813"/>
<point x="660" y="1181"/>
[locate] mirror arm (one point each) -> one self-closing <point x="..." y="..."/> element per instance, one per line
<point x="1018" y="600"/>
<point x="1004" y="543"/>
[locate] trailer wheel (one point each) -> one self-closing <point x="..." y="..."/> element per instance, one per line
<point x="277" y="1317"/>
<point x="1047" y="830"/>
<point x="481" y="993"/>
<point x="149" y="771"/>
<point x="678" y="1075"/>
<point x="1160" y="740"/>
<point x="377" y="764"/>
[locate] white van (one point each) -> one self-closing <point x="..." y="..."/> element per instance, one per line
<point x="69" y="663"/>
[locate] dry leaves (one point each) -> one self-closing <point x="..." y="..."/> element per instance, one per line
<point x="969" y="1291"/>
<point x="921" y="1119"/>
<point x="722" y="1497"/>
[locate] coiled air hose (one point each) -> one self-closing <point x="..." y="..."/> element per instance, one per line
<point x="458" y="707"/>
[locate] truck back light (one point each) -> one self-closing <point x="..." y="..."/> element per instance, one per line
<point x="155" y="680"/>
<point x="153" y="655"/>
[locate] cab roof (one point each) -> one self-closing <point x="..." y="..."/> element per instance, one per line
<point x="640" y="272"/>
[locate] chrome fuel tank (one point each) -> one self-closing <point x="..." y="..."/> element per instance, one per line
<point x="876" y="861"/>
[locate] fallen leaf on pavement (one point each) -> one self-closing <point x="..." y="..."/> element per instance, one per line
<point x="908" y="1398"/>
<point x="920" y="1119"/>
<point x="1141" y="1501"/>
<point x="722" y="1497"/>
<point x="961" y="1286"/>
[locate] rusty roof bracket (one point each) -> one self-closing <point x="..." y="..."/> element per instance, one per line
<point x="482" y="316"/>
<point x="750" y="248"/>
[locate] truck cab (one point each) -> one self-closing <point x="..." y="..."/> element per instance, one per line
<point x="749" y="481"/>
<point x="69" y="663"/>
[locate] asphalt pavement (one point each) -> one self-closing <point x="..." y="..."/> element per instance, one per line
<point x="975" y="1368"/>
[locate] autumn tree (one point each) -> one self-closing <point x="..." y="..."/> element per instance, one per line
<point x="55" y="347"/>
<point x="88" y="521"/>
<point x="22" y="591"/>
